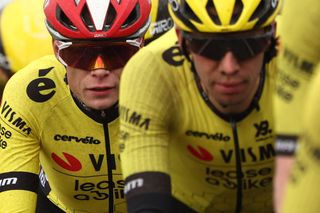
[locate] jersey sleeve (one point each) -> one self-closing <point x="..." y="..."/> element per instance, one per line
<point x="19" y="149"/>
<point x="303" y="193"/>
<point x="146" y="108"/>
<point x="145" y="112"/>
<point x="298" y="56"/>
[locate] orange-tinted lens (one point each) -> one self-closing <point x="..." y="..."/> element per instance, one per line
<point x="99" y="64"/>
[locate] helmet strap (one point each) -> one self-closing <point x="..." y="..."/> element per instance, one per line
<point x="272" y="50"/>
<point x="184" y="49"/>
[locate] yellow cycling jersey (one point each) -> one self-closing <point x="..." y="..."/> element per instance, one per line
<point x="299" y="53"/>
<point x="42" y="125"/>
<point x="302" y="193"/>
<point x="169" y="126"/>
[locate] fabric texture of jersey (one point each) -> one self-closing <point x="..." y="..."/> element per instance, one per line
<point x="167" y="126"/>
<point x="79" y="155"/>
<point x="302" y="193"/>
<point x="299" y="54"/>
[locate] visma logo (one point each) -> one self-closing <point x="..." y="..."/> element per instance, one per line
<point x="134" y="118"/>
<point x="71" y="163"/>
<point x="200" y="153"/>
<point x="14" y="119"/>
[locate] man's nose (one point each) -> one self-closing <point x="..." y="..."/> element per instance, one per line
<point x="100" y="73"/>
<point x="229" y="64"/>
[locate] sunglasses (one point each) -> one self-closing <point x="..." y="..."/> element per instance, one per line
<point x="107" y="55"/>
<point x="215" y="47"/>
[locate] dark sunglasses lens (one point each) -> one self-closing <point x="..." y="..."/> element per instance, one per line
<point x="87" y="57"/>
<point x="215" y="49"/>
<point x="247" y="48"/>
<point x="207" y="48"/>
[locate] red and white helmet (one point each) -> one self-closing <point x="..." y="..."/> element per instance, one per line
<point x="97" y="19"/>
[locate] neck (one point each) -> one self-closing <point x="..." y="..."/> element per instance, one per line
<point x="101" y="116"/>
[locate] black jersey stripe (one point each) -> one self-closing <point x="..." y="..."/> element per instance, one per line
<point x="19" y="181"/>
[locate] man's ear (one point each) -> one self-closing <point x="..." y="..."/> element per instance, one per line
<point x="180" y="38"/>
<point x="182" y="44"/>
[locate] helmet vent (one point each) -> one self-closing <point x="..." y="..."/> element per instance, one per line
<point x="77" y="2"/>
<point x="212" y="11"/>
<point x="64" y="20"/>
<point x="111" y="16"/>
<point x="87" y="19"/>
<point x="259" y="11"/>
<point x="237" y="11"/>
<point x="132" y="18"/>
<point x="263" y="12"/>
<point x="189" y="13"/>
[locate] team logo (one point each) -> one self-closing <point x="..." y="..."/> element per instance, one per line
<point x="41" y="89"/>
<point x="200" y="153"/>
<point x="71" y="163"/>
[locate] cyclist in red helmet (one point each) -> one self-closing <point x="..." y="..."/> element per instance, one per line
<point x="59" y="115"/>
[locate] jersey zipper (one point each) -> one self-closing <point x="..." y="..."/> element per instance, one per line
<point x="111" y="165"/>
<point x="238" y="165"/>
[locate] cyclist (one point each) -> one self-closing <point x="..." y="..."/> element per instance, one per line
<point x="27" y="31"/>
<point x="161" y="20"/>
<point x="196" y="116"/>
<point x="302" y="192"/>
<point x="298" y="56"/>
<point x="61" y="111"/>
<point x="23" y="37"/>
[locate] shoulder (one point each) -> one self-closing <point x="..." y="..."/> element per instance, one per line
<point x="156" y="72"/>
<point x="39" y="82"/>
<point x="32" y="93"/>
<point x="161" y="58"/>
<point x="164" y="50"/>
<point x="297" y="28"/>
<point x="312" y="110"/>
